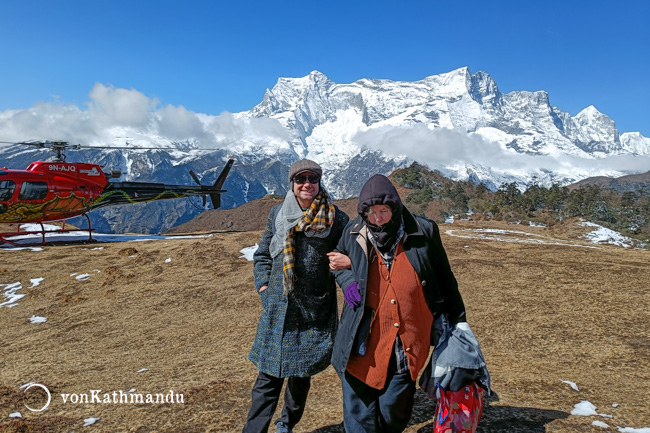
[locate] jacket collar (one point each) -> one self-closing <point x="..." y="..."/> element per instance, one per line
<point x="411" y="225"/>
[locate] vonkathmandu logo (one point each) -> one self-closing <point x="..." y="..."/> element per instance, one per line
<point x="95" y="396"/>
<point x="44" y="388"/>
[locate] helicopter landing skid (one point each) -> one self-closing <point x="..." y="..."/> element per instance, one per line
<point x="17" y="242"/>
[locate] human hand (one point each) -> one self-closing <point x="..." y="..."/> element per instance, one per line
<point x="339" y="261"/>
<point x="263" y="288"/>
<point x="352" y="295"/>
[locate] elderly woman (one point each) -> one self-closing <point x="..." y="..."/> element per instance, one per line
<point x="296" y="329"/>
<point x="397" y="279"/>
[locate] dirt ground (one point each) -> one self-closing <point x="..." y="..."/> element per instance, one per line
<point x="186" y="311"/>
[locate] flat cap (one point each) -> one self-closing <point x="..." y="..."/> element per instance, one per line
<point x="304" y="165"/>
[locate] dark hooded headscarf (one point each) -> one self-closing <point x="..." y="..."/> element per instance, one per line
<point x="379" y="190"/>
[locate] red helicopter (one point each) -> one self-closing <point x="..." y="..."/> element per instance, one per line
<point x="56" y="190"/>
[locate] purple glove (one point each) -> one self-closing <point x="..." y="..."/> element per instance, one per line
<point x="353" y="295"/>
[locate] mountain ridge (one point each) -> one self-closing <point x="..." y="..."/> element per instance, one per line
<point x="458" y="122"/>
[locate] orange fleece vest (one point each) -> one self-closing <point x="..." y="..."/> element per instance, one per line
<point x="398" y="300"/>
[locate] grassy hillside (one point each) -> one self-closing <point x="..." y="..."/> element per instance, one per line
<point x="545" y="305"/>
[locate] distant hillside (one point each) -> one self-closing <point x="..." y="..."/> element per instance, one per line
<point x="429" y="193"/>
<point x="629" y="183"/>
<point x="247" y="217"/>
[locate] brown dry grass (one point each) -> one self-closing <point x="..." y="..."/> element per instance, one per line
<point x="541" y="312"/>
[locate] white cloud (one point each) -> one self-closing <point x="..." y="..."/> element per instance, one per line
<point x="45" y="121"/>
<point x="442" y="146"/>
<point x="136" y="115"/>
<point x="232" y="127"/>
<point x="111" y="106"/>
<point x="446" y="147"/>
<point x="179" y="123"/>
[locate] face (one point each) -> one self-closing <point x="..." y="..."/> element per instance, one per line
<point x="303" y="188"/>
<point x="379" y="214"/>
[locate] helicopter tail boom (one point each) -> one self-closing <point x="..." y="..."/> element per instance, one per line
<point x="216" y="198"/>
<point x="117" y="193"/>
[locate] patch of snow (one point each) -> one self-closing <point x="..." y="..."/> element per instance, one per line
<point x="142" y="370"/>
<point x="600" y="424"/>
<point x="602" y="235"/>
<point x="584" y="408"/>
<point x="90" y="421"/>
<point x="37" y="319"/>
<point x="449" y="220"/>
<point x="571" y="384"/>
<point x="492" y="234"/>
<point x="8" y="247"/>
<point x="10" y="294"/>
<point x="35" y="282"/>
<point x="247" y="253"/>
<point x="79" y="235"/>
<point x="633" y="430"/>
<point x="168" y="260"/>
<point x="33" y="227"/>
<point x="15" y="415"/>
<point x="84" y="277"/>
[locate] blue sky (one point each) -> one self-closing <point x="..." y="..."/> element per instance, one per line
<point x="212" y="56"/>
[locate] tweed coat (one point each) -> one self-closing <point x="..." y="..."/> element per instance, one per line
<point x="424" y="250"/>
<point x="295" y="333"/>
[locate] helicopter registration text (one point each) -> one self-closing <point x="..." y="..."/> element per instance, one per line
<point x="63" y="167"/>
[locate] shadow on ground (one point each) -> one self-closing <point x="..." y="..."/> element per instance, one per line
<point x="495" y="419"/>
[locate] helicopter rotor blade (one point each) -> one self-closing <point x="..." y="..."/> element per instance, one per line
<point x="65" y="145"/>
<point x="196" y="179"/>
<point x="145" y="148"/>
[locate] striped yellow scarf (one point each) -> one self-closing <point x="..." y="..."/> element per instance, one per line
<point x="319" y="217"/>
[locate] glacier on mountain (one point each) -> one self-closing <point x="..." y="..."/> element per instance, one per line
<point x="457" y="122"/>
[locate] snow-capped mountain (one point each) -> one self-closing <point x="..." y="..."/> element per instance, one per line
<point x="432" y="119"/>
<point x="458" y="122"/>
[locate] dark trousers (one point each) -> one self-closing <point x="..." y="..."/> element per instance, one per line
<point x="387" y="410"/>
<point x="265" y="396"/>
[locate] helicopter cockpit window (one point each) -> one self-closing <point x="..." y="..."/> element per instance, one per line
<point x="6" y="189"/>
<point x="33" y="191"/>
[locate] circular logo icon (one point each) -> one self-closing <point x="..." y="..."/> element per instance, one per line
<point x="47" y="391"/>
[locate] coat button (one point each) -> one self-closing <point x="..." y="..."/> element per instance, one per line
<point x="397" y="325"/>
<point x="408" y="349"/>
<point x="392" y="301"/>
<point x="424" y="283"/>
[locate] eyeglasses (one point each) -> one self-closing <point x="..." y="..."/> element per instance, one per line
<point x="304" y="178"/>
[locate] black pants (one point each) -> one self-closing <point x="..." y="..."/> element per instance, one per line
<point x="265" y="396"/>
<point x="366" y="409"/>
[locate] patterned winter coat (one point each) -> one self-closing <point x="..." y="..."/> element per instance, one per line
<point x="295" y="333"/>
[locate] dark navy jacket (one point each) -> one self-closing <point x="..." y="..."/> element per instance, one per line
<point x="424" y="250"/>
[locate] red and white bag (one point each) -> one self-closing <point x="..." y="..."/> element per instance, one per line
<point x="460" y="411"/>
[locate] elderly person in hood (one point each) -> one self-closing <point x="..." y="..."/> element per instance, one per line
<point x="396" y="281"/>
<point x="296" y="329"/>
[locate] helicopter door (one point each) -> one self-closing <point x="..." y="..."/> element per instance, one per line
<point x="7" y="188"/>
<point x="33" y="191"/>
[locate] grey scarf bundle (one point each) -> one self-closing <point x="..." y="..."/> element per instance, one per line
<point x="288" y="217"/>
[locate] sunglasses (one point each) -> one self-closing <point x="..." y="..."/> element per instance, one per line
<point x="304" y="178"/>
